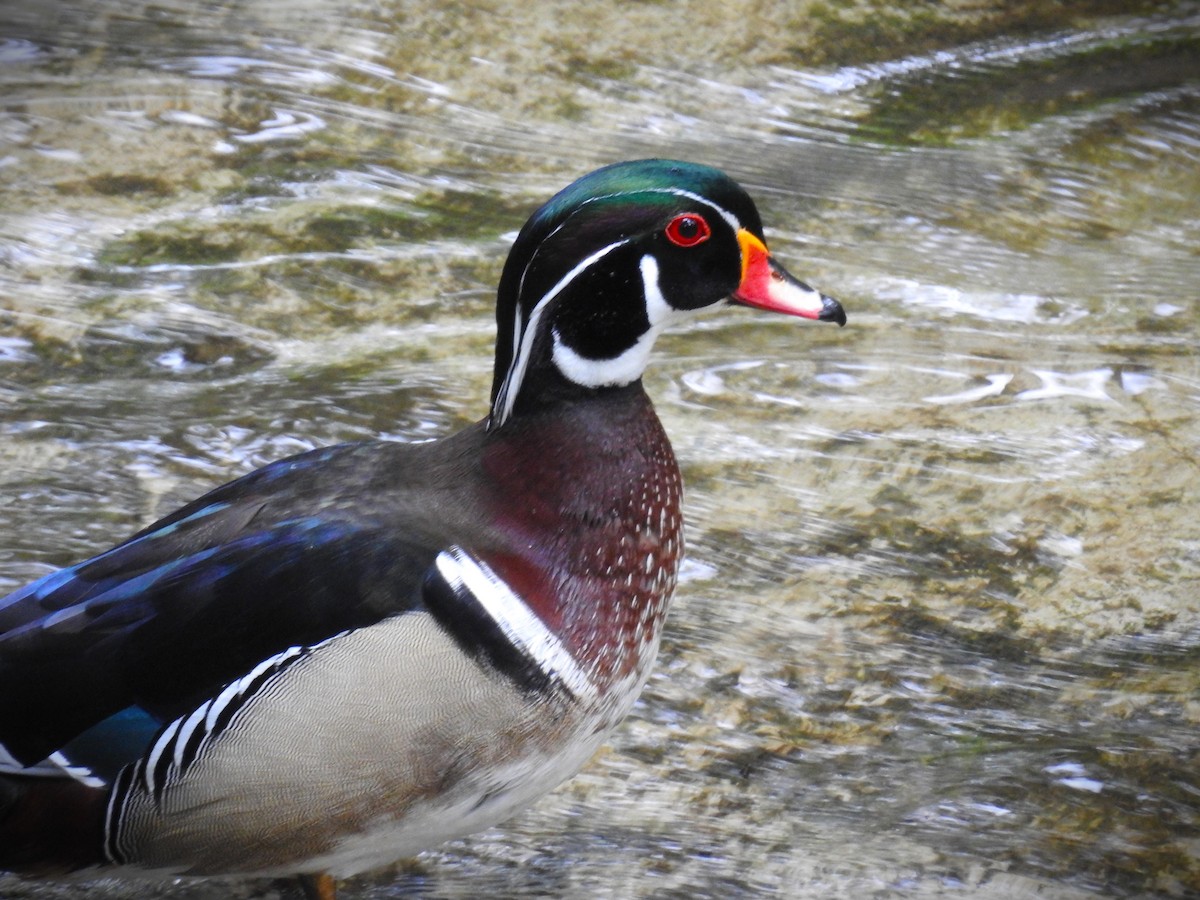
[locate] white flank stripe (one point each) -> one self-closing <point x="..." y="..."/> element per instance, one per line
<point x="190" y="724"/>
<point x="517" y="621"/>
<point x="223" y="699"/>
<point x="176" y="735"/>
<point x="246" y="680"/>
<point x="211" y="710"/>
<point x="156" y="752"/>
<point x="109" y="823"/>
<point x="523" y="337"/>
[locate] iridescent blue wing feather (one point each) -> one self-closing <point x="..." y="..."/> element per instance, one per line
<point x="99" y="655"/>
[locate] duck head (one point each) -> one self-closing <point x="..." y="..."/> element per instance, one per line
<point x="613" y="259"/>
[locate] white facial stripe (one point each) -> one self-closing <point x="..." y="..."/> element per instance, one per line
<point x="730" y="218"/>
<point x="517" y="329"/>
<point x="658" y="310"/>
<point x="519" y="624"/>
<point x="523" y="337"/>
<point x="629" y="365"/>
<point x="725" y="214"/>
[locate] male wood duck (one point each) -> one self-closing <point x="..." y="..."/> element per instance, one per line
<point x="356" y="653"/>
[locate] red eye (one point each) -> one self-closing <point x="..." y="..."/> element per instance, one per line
<point x="688" y="230"/>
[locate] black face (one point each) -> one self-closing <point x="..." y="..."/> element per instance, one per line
<point x="688" y="252"/>
<point x="698" y="256"/>
<point x="607" y="261"/>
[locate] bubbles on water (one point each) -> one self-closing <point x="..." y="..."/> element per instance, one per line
<point x="1090" y="385"/>
<point x="275" y="72"/>
<point x="1138" y="382"/>
<point x="1074" y="775"/>
<point x="993" y="386"/>
<point x="182" y="361"/>
<point x="696" y="570"/>
<point x="18" y="51"/>
<point x="284" y="125"/>
<point x="837" y="379"/>
<point x="978" y="302"/>
<point x="183" y="117"/>
<point x="16" y="350"/>
<point x="710" y="381"/>
<point x="60" y="154"/>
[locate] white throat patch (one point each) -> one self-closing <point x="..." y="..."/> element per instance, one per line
<point x="628" y="366"/>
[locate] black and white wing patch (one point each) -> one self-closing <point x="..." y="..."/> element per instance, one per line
<point x="490" y="621"/>
<point x="181" y="741"/>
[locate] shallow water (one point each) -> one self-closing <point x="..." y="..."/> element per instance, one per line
<point x="940" y="627"/>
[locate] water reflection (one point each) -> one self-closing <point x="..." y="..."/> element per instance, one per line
<point x="939" y="630"/>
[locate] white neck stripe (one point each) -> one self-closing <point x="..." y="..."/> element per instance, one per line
<point x="506" y="397"/>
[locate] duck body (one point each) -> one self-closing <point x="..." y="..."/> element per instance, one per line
<point x="353" y="654"/>
<point x="497" y="724"/>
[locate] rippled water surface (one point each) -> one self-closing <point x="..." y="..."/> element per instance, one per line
<point x="939" y="633"/>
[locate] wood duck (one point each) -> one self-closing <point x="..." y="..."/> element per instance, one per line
<point x="356" y="653"/>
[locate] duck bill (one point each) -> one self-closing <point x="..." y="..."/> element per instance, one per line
<point x="767" y="285"/>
